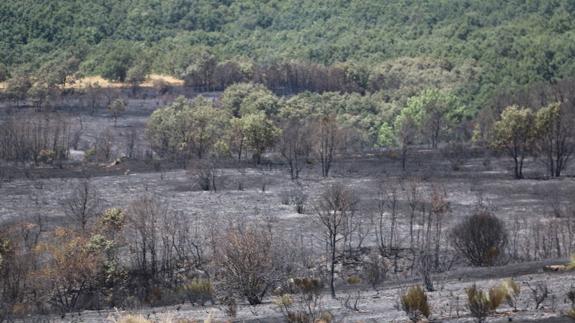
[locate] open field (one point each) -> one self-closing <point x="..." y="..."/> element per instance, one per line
<point x="256" y="195"/>
<point x="381" y="305"/>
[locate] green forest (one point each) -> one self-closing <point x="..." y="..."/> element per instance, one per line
<point x="496" y="44"/>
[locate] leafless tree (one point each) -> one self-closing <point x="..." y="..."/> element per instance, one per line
<point x="38" y="137"/>
<point x="131" y="142"/>
<point x="165" y="246"/>
<point x="387" y="218"/>
<point x="295" y="146"/>
<point x="104" y="145"/>
<point x="144" y="218"/>
<point x="327" y="137"/>
<point x="17" y="250"/>
<point x="440" y="208"/>
<point x="333" y="208"/>
<point x="539" y="292"/>
<point x="83" y="205"/>
<point x="556" y="137"/>
<point x="206" y="174"/>
<point x="425" y="264"/>
<point x="415" y="203"/>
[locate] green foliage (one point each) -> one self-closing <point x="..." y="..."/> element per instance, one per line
<point x="260" y="133"/>
<point x="187" y="126"/>
<point x="515" y="134"/>
<point x="117" y="61"/>
<point x="514" y="128"/>
<point x="113" y="218"/>
<point x="138" y="73"/>
<point x="385" y="136"/>
<point x="4" y="74"/>
<point x="18" y="87"/>
<point x="473" y="47"/>
<point x="414" y="304"/>
<point x="245" y="98"/>
<point x="434" y="114"/>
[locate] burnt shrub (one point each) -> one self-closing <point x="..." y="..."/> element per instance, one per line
<point x="481" y="238"/>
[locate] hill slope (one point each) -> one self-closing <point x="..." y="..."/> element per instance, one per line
<point x="514" y="42"/>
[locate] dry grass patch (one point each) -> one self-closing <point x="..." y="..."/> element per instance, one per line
<point x="98" y="81"/>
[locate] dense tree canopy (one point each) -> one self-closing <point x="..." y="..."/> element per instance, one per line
<point x="509" y="43"/>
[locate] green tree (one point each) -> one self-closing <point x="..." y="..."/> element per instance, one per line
<point x="514" y="133"/>
<point x="18" y="87"/>
<point x="187" y="126"/>
<point x="386" y="136"/>
<point x="405" y="132"/>
<point x="198" y="71"/>
<point x="433" y="112"/>
<point x="260" y="133"/>
<point x="244" y="98"/>
<point x="137" y="74"/>
<point x="4" y="74"/>
<point x="117" y="62"/>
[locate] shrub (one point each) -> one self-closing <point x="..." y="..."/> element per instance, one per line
<point x="571" y="314"/>
<point x="497" y="295"/>
<point x="199" y="291"/>
<point x="481" y="303"/>
<point x="374" y="270"/>
<point x="298" y="198"/>
<point x="513" y="290"/>
<point x="132" y="319"/>
<point x="539" y="292"/>
<point x="90" y="154"/>
<point x="351" y="301"/>
<point x="231" y="307"/>
<point x="571" y="264"/>
<point x="295" y="197"/>
<point x="481" y="238"/>
<point x="414" y="304"/>
<point x="571" y="296"/>
<point x="478" y="303"/>
<point x="113" y="218"/>
<point x="46" y="156"/>
<point x="303" y="305"/>
<point x="205" y="175"/>
<point x="247" y="263"/>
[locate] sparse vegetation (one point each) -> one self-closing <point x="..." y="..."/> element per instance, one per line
<point x="341" y="142"/>
<point x="481" y="304"/>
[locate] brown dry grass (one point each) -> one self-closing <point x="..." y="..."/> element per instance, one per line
<point x="132" y="318"/>
<point x="101" y="82"/>
<point x="98" y="81"/>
